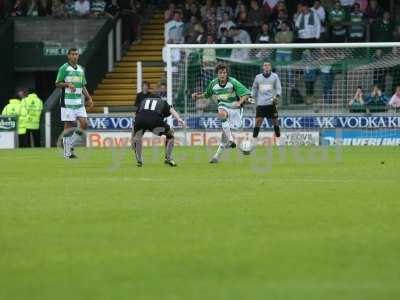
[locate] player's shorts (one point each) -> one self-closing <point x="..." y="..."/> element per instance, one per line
<point x="151" y="122"/>
<point x="234" y="116"/>
<point x="72" y="114"/>
<point x="266" y="111"/>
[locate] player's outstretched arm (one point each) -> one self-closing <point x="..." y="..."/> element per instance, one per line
<point x="175" y="114"/>
<point x="88" y="98"/>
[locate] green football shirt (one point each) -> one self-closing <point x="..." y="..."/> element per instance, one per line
<point x="228" y="93"/>
<point x="76" y="76"/>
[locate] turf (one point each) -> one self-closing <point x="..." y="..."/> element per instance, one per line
<point x="305" y="224"/>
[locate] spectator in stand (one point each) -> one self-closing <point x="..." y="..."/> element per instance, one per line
<point x="35" y="9"/>
<point x="130" y="16"/>
<point x="299" y="10"/>
<point x="240" y="35"/>
<point x="358" y="25"/>
<point x="58" y="9"/>
<point x="208" y="9"/>
<point x="241" y="9"/>
<point x="46" y="5"/>
<point x="363" y="5"/>
<point x="382" y="30"/>
<point x="112" y="8"/>
<point x="211" y="24"/>
<point x="277" y="24"/>
<point x="98" y="8"/>
<point x="188" y="28"/>
<point x="238" y="7"/>
<point x="222" y="8"/>
<point x="264" y="37"/>
<point x="227" y="23"/>
<point x="269" y="6"/>
<point x="337" y="23"/>
<point x="186" y="11"/>
<point x="278" y="7"/>
<point x="198" y="36"/>
<point x="18" y="9"/>
<point x="327" y="75"/>
<point x="225" y="37"/>
<point x="256" y="16"/>
<point x="243" y="21"/>
<point x="285" y="36"/>
<point x="192" y="11"/>
<point x="346" y="6"/>
<point x="320" y="11"/>
<point x="357" y="103"/>
<point x="376" y="100"/>
<point x="82" y="8"/>
<point x="374" y="11"/>
<point x="169" y="13"/>
<point x="174" y="30"/>
<point x="308" y="26"/>
<point x="69" y="7"/>
<point x="395" y="100"/>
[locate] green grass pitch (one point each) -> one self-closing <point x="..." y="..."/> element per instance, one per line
<point x="306" y="224"/>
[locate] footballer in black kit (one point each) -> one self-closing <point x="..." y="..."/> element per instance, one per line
<point x="150" y="115"/>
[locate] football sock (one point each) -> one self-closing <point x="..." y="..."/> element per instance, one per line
<point x="137" y="146"/>
<point x="277" y="131"/>
<point x="221" y="146"/>
<point x="169" y="145"/>
<point x="227" y="130"/>
<point x="67" y="146"/>
<point x="256" y="131"/>
<point x="76" y="136"/>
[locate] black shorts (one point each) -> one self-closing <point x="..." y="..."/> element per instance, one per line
<point x="151" y="122"/>
<point x="266" y="111"/>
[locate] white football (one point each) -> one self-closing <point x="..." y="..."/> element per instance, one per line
<point x="246" y="147"/>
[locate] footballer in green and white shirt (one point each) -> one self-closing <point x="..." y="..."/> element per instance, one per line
<point x="230" y="95"/>
<point x="71" y="79"/>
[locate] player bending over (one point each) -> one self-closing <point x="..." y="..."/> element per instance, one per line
<point x="266" y="91"/>
<point x="71" y="79"/>
<point x="150" y="116"/>
<point x="231" y="95"/>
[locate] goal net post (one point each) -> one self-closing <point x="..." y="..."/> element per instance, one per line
<point x="325" y="87"/>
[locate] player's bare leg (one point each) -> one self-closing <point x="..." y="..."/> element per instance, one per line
<point x="137" y="146"/>
<point x="169" y="146"/>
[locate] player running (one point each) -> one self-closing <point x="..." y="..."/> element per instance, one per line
<point x="71" y="79"/>
<point x="266" y="91"/>
<point x="150" y="115"/>
<point x="231" y="95"/>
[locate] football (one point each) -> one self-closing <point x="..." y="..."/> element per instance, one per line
<point x="246" y="147"/>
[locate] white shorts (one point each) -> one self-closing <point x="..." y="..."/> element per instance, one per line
<point x="72" y="114"/>
<point x="234" y="116"/>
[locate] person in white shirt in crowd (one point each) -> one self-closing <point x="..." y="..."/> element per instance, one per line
<point x="226" y="23"/>
<point x="320" y="11"/>
<point x="82" y="8"/>
<point x="308" y="25"/>
<point x="173" y="31"/>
